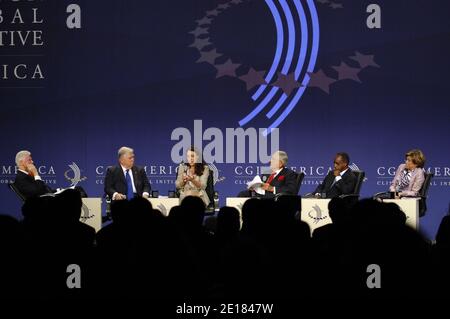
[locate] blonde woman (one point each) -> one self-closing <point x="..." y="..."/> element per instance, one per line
<point x="410" y="176"/>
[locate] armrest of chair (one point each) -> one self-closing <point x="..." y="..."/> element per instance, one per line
<point x="278" y="195"/>
<point x="349" y="196"/>
<point x="378" y="194"/>
<point x="211" y="208"/>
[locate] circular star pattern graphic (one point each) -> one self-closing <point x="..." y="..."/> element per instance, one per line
<point x="288" y="84"/>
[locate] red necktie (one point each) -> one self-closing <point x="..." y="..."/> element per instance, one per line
<point x="270" y="178"/>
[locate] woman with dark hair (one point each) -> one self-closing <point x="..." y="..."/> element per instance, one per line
<point x="193" y="176"/>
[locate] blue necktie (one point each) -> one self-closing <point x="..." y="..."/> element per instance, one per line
<point x="130" y="193"/>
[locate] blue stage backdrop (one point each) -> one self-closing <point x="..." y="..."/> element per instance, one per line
<point x="79" y="79"/>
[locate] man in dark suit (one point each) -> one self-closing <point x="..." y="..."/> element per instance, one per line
<point x="126" y="180"/>
<point x="28" y="182"/>
<point x="340" y="181"/>
<point x="281" y="181"/>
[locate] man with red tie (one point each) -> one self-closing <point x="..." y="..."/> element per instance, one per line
<point x="281" y="181"/>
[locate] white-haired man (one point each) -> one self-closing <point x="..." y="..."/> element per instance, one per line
<point x="28" y="182"/>
<point x="126" y="180"/>
<point x="281" y="181"/>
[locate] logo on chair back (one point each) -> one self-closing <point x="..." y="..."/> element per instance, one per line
<point x="76" y="175"/>
<point x="215" y="172"/>
<point x="316" y="214"/>
<point x="355" y="167"/>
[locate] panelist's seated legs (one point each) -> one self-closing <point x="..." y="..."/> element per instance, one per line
<point x="245" y="193"/>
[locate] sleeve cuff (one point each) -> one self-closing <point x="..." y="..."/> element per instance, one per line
<point x="37" y="178"/>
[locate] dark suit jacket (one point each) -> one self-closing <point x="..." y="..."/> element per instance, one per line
<point x="29" y="187"/>
<point x="285" y="182"/>
<point x="345" y="186"/>
<point x="115" y="181"/>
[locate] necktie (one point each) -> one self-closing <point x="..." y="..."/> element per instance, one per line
<point x="130" y="193"/>
<point x="271" y="177"/>
<point x="404" y="182"/>
<point x="334" y="182"/>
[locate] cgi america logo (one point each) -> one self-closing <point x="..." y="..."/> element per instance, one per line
<point x="76" y="175"/>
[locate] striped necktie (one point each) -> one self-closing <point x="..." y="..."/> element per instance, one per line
<point x="404" y="181"/>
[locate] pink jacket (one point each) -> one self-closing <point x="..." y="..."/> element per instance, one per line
<point x="415" y="183"/>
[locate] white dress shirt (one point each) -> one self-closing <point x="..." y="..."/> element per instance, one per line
<point x="339" y="177"/>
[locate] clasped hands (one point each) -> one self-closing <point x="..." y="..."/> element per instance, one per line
<point x="187" y="178"/>
<point x="267" y="187"/>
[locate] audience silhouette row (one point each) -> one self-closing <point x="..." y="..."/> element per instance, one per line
<point x="265" y="253"/>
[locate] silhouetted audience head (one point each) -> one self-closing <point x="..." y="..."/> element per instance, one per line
<point x="140" y="206"/>
<point x="175" y="214"/>
<point x="35" y="207"/>
<point x="144" y="215"/>
<point x="193" y="213"/>
<point x="119" y="209"/>
<point x="228" y="222"/>
<point x="337" y="210"/>
<point x="9" y="230"/>
<point x="375" y="214"/>
<point x="251" y="212"/>
<point x="289" y="206"/>
<point x="68" y="204"/>
<point x="443" y="234"/>
<point x="398" y="216"/>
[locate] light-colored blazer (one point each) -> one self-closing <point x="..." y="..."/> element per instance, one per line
<point x="190" y="187"/>
<point x="415" y="183"/>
